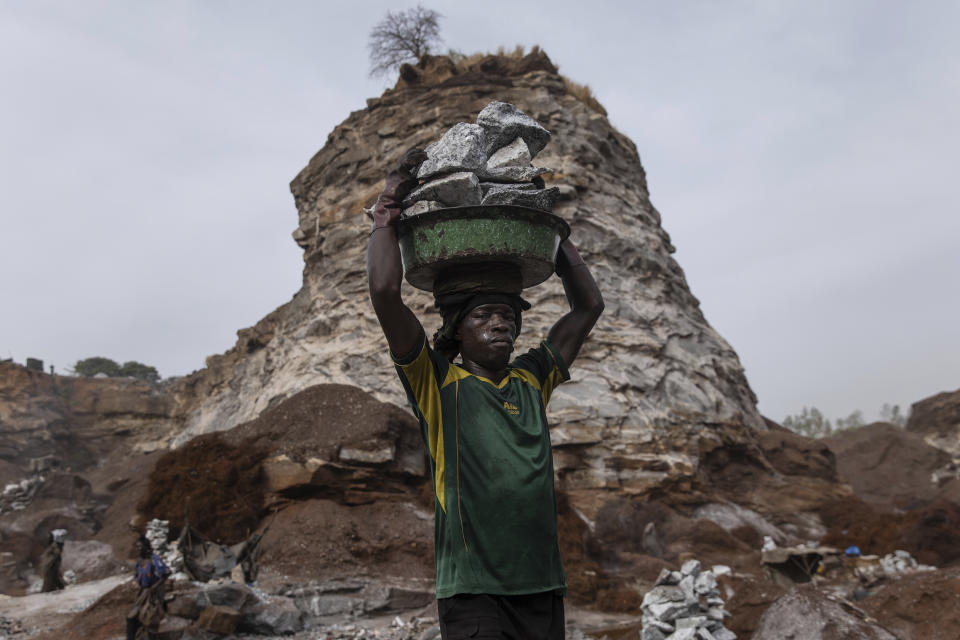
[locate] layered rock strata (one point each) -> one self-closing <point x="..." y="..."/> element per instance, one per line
<point x="653" y="386"/>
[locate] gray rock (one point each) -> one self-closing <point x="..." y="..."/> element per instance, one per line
<point x="512" y="174"/>
<point x="515" y="154"/>
<point x="494" y="187"/>
<point x="807" y="613"/>
<point x="668" y="577"/>
<point x="462" y="148"/>
<point x="691" y="568"/>
<point x="667" y="611"/>
<point x="686" y="585"/>
<point x="651" y="633"/>
<point x="542" y="199"/>
<point x="689" y="633"/>
<point x="502" y="123"/>
<point x="422" y="206"/>
<point x="278" y="616"/>
<point x="691" y="622"/>
<point x="717" y="613"/>
<point x="235" y="596"/>
<point x="723" y="634"/>
<point x="666" y="627"/>
<point x="704" y="634"/>
<point x="705" y="583"/>
<point x="454" y="190"/>
<point x="663" y="593"/>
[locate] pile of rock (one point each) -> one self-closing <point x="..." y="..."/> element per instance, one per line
<point x="685" y="605"/>
<point x="902" y="562"/>
<point x="17" y="495"/>
<point x="157" y="533"/>
<point x="487" y="163"/>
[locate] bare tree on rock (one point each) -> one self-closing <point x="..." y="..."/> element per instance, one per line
<point x="404" y="36"/>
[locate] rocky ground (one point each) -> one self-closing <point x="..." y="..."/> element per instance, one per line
<point x="335" y="480"/>
<point x="297" y="435"/>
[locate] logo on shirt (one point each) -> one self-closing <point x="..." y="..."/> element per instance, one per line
<point x="511" y="408"/>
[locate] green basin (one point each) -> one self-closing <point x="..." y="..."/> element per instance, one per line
<point x="436" y="240"/>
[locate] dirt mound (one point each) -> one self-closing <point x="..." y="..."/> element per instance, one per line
<point x="794" y="455"/>
<point x="215" y="486"/>
<point x="931" y="534"/>
<point x="319" y="420"/>
<point x="123" y="478"/>
<point x="321" y="539"/>
<point x="920" y="605"/>
<point x="937" y="415"/>
<point x="886" y="465"/>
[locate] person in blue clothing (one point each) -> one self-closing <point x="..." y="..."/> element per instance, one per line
<point x="150" y="573"/>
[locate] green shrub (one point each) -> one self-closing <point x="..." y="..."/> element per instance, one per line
<point x="108" y="367"/>
<point x="140" y="371"/>
<point x="93" y="366"/>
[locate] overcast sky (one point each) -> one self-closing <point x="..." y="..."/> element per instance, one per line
<point x="802" y="155"/>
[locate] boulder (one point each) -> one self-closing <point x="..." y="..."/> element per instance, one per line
<point x="503" y="122"/>
<point x="452" y="190"/>
<point x="805" y="613"/>
<point x="273" y="617"/>
<point x="219" y="619"/>
<point x="460" y="149"/>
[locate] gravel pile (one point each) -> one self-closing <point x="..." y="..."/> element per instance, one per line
<point x="685" y="605"/>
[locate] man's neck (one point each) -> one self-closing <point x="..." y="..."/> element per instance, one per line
<point x="477" y="369"/>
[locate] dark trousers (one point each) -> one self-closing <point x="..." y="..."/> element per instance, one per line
<point x="532" y="617"/>
<point x="133" y="625"/>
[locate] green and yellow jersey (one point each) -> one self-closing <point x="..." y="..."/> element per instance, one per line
<point x="492" y="469"/>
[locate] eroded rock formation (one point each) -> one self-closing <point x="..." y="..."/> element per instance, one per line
<point x="653" y="383"/>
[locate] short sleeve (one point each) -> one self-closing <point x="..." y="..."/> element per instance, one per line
<point x="546" y="365"/>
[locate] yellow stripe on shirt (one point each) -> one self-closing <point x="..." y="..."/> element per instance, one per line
<point x="420" y="376"/>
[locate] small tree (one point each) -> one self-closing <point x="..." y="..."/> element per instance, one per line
<point x="893" y="415"/>
<point x="809" y="422"/>
<point x="139" y="371"/>
<point x="852" y="421"/>
<point x="404" y="36"/>
<point x="93" y="366"/>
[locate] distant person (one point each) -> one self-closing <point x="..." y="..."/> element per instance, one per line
<point x="50" y="562"/>
<point x="150" y="573"/>
<point x="483" y="420"/>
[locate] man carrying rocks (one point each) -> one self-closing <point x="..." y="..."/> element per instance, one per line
<point x="499" y="573"/>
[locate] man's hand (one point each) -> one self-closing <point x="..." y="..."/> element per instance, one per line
<point x="398" y="183"/>
<point x="567" y="258"/>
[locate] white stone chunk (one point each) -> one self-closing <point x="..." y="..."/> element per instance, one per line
<point x="683" y="634"/>
<point x="512" y="174"/>
<point x="458" y="189"/>
<point x="691" y="568"/>
<point x="460" y="149"/>
<point x="542" y="199"/>
<point x="705" y="583"/>
<point x="691" y="621"/>
<point x="423" y="206"/>
<point x="724" y="634"/>
<point x="515" y="154"/>
<point x="659" y="595"/>
<point x="502" y="123"/>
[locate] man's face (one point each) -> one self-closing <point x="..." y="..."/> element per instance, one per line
<point x="486" y="335"/>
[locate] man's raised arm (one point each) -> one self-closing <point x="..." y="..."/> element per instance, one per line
<point x="586" y="303"/>
<point x="384" y="269"/>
